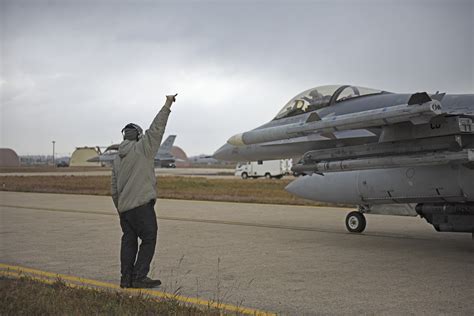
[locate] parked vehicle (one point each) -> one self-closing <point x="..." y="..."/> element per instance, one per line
<point x="267" y="168"/>
<point x="62" y="164"/>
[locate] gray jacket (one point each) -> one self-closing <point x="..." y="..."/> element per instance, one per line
<point x="133" y="173"/>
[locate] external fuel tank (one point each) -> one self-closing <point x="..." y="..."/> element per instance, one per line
<point x="452" y="183"/>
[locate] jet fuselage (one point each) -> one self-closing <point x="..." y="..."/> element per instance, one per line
<point x="373" y="148"/>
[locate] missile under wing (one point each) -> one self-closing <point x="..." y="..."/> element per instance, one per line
<point x="388" y="153"/>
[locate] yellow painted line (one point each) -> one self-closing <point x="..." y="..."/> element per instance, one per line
<point x="19" y="271"/>
<point x="17" y="274"/>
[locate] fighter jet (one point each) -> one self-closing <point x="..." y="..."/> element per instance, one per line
<point x="163" y="158"/>
<point x="203" y="160"/>
<point x="388" y="153"/>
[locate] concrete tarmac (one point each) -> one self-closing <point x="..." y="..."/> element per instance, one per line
<point x="288" y="259"/>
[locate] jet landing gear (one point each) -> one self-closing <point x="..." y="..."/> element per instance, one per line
<point x="355" y="222"/>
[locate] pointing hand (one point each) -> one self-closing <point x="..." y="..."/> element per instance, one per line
<point x="171" y="98"/>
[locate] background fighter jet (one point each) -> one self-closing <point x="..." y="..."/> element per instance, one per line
<point x="163" y="158"/>
<point x="388" y="153"/>
<point x="203" y="160"/>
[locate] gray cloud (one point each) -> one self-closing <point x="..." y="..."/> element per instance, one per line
<point x="78" y="71"/>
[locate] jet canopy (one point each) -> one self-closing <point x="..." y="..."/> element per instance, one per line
<point x="320" y="97"/>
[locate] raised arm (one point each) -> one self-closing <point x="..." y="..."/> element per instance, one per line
<point x="151" y="140"/>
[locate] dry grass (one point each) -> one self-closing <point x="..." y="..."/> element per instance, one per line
<point x="187" y="188"/>
<point x="94" y="185"/>
<point x="28" y="297"/>
<point x="49" y="169"/>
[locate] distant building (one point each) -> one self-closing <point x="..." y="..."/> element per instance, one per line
<point x="82" y="154"/>
<point x="180" y="156"/>
<point x="9" y="158"/>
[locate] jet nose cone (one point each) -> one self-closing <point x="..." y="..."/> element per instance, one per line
<point x="223" y="153"/>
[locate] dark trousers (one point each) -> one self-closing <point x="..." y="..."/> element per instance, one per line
<point x="139" y="222"/>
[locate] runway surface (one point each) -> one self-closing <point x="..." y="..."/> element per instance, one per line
<point x="287" y="259"/>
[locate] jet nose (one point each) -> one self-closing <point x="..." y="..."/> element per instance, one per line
<point x="223" y="153"/>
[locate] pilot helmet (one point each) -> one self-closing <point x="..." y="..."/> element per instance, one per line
<point x="132" y="131"/>
<point x="315" y="94"/>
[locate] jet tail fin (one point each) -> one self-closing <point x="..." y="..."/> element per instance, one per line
<point x="438" y="96"/>
<point x="165" y="147"/>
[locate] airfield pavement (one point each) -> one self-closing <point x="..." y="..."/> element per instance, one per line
<point x="287" y="259"/>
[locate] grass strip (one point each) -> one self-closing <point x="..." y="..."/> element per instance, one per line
<point x="38" y="169"/>
<point x="169" y="187"/>
<point x="12" y="271"/>
<point x="25" y="296"/>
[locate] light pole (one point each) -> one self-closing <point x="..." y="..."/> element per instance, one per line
<point x="54" y="164"/>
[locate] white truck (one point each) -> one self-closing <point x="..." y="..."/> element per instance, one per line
<point x="266" y="168"/>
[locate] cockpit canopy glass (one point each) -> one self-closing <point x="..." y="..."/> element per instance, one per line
<point x="320" y="97"/>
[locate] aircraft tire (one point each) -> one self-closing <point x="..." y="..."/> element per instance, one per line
<point x="355" y="222"/>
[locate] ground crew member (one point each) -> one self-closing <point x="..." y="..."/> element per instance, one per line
<point x="134" y="196"/>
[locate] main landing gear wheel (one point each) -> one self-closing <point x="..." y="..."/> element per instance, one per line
<point x="355" y="222"/>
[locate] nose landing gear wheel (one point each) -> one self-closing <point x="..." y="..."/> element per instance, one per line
<point x="355" y="222"/>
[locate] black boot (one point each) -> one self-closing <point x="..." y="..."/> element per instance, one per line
<point x="126" y="281"/>
<point x="145" y="283"/>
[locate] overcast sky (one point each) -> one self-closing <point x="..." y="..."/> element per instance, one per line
<point x="77" y="71"/>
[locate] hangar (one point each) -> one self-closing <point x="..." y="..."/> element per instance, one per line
<point x="82" y="154"/>
<point x="180" y="156"/>
<point x="9" y="158"/>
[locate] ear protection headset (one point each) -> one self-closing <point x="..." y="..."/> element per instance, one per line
<point x="135" y="127"/>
